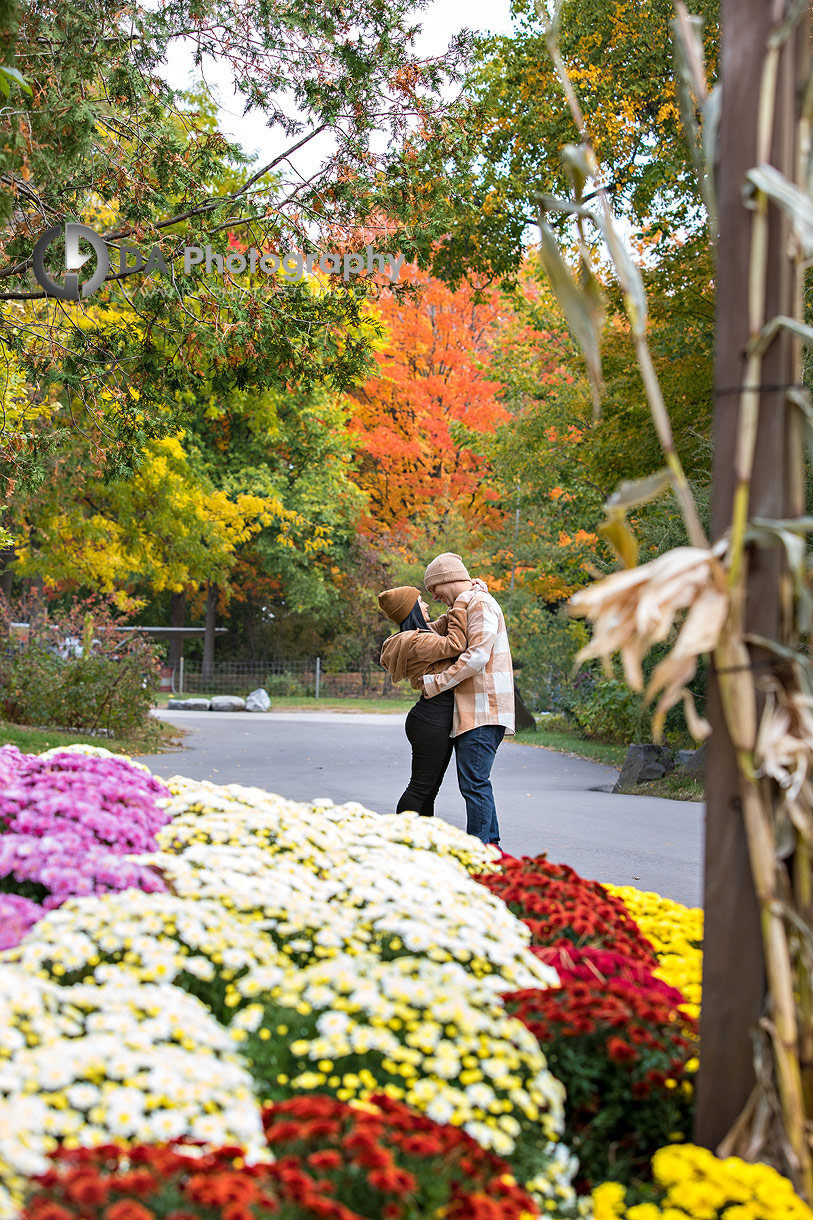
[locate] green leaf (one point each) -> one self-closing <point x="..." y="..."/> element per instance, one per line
<point x="11" y="74"/>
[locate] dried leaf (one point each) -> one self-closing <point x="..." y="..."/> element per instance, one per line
<point x="692" y="94"/>
<point x="789" y="534"/>
<point x="784" y="746"/>
<point x="794" y="202"/>
<point x="697" y="725"/>
<point x="634" y="609"/>
<point x="796" y="10"/>
<point x="582" y="306"/>
<point x="580" y="165"/>
<point x="761" y="342"/>
<point x="617" y="532"/>
<point x="629" y="277"/>
<point x="639" y="491"/>
<point x="699" y="634"/>
<point x="712" y="108"/>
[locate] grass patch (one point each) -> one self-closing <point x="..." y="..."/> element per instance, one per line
<point x="674" y="787"/>
<point x="570" y="743"/>
<point x="301" y="703"/>
<point x="30" y="740"/>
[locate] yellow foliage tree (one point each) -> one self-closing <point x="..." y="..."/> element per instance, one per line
<point x="167" y="527"/>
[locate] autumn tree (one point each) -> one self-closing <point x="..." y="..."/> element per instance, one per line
<point x="502" y="156"/>
<point x="101" y="128"/>
<point x="421" y="418"/>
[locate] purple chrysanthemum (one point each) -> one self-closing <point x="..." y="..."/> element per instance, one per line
<point x="96" y="800"/>
<point x="17" y="916"/>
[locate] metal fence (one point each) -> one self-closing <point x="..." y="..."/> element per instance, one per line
<point x="312" y="679"/>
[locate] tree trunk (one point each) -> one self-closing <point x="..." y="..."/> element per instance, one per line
<point x="733" y="966"/>
<point x="177" y="618"/>
<point x="7" y="557"/>
<point x="209" y="636"/>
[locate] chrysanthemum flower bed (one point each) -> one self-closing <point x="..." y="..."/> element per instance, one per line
<point x="331" y="1160"/>
<point x="67" y="818"/>
<point x="433" y="1034"/>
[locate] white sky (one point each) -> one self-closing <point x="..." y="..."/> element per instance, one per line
<point x="440" y="22"/>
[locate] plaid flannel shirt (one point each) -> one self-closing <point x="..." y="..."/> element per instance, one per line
<point x="482" y="676"/>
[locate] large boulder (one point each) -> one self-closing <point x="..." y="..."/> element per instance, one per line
<point x="644" y="762"/>
<point x="187" y="705"/>
<point x="258" y="701"/>
<point x="227" y="703"/>
<point x="692" y="762"/>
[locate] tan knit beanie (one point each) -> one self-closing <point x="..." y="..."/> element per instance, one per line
<point x="397" y="603"/>
<point x="444" y="570"/>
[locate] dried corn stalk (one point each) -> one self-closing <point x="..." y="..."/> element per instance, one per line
<point x="632" y="610"/>
<point x="698" y="594"/>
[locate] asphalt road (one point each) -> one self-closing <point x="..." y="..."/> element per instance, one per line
<point x="545" y="801"/>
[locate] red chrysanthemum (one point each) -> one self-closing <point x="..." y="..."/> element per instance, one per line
<point x="560" y="906"/>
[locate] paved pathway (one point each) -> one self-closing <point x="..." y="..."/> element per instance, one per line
<point x="545" y="800"/>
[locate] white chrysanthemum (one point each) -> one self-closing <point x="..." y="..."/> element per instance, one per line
<point x="357" y="1005"/>
<point x="22" y="1152"/>
<point x="279" y="897"/>
<point x="325" y="829"/>
<point x="425" y="905"/>
<point x="154" y="937"/>
<point x="31" y="1012"/>
<point x="131" y="1055"/>
<point x="234" y="816"/>
<point x="423" y="834"/>
<point x="94" y="752"/>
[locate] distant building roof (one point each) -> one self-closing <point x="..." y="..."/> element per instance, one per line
<point x="183" y="632"/>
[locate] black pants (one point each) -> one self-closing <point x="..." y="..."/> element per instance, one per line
<point x="428" y="726"/>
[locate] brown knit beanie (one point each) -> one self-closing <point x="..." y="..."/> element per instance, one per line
<point x="444" y="570"/>
<point x="397" y="603"/>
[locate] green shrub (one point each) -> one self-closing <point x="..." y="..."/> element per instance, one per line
<point x="108" y="688"/>
<point x="555" y="722"/>
<point x="283" y="685"/>
<point x="544" y="643"/>
<point x="605" y="709"/>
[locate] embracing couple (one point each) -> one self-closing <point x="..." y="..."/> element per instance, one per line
<point x="461" y="664"/>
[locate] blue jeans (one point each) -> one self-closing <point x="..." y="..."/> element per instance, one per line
<point x="474" y="754"/>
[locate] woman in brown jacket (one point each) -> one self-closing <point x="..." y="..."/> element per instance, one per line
<point x="413" y="651"/>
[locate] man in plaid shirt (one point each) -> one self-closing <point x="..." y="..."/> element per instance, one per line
<point x="483" y="681"/>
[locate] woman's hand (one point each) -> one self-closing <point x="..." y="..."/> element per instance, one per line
<point x="479" y="584"/>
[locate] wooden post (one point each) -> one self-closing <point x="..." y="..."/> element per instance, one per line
<point x="7" y="558"/>
<point x="733" y="967"/>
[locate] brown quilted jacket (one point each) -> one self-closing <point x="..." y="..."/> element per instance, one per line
<point x="411" y="654"/>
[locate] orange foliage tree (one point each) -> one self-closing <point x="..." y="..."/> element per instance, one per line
<point x="422" y="418"/>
